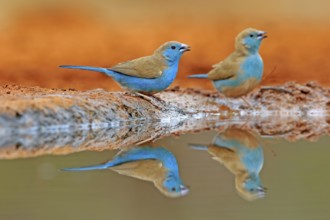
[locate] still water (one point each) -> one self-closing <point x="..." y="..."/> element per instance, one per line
<point x="228" y="173"/>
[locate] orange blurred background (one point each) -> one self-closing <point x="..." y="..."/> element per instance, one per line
<point x="37" y="36"/>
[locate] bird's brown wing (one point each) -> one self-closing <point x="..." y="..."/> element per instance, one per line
<point x="148" y="170"/>
<point x="225" y="69"/>
<point x="244" y="137"/>
<point x="144" y="67"/>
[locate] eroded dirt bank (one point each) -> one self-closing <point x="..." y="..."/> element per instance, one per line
<point x="34" y="106"/>
<point x="36" y="121"/>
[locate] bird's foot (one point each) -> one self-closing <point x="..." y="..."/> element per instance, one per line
<point x="158" y="99"/>
<point x="151" y="99"/>
<point x="159" y="103"/>
<point x="247" y="103"/>
<point x="164" y="104"/>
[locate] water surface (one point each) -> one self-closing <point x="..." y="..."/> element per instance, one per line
<point x="294" y="173"/>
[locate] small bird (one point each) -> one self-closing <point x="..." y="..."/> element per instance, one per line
<point x="155" y="164"/>
<point x="145" y="75"/>
<point x="241" y="153"/>
<point x="242" y="70"/>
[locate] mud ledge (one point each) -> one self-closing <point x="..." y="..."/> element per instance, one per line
<point x="36" y="121"/>
<point x="37" y="107"/>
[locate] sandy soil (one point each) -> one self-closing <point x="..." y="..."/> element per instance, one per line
<point x="35" y="43"/>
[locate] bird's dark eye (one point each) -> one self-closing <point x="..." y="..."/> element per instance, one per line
<point x="173" y="47"/>
<point x="251" y="35"/>
<point x="173" y="189"/>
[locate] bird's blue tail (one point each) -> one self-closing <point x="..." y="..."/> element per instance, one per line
<point x="198" y="76"/>
<point x="90" y="68"/>
<point x="198" y="147"/>
<point x="94" y="167"/>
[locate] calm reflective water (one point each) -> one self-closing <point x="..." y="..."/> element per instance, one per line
<point x="232" y="174"/>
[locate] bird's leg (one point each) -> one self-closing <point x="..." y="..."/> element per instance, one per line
<point x="275" y="89"/>
<point x="169" y="106"/>
<point x="248" y="104"/>
<point x="227" y="103"/>
<point x="158" y="99"/>
<point x="150" y="98"/>
<point x="165" y="104"/>
<point x="226" y="100"/>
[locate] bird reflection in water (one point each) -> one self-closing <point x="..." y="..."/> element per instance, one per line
<point x="154" y="164"/>
<point x="241" y="153"/>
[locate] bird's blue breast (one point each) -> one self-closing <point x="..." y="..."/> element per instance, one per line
<point x="147" y="85"/>
<point x="251" y="67"/>
<point x="251" y="158"/>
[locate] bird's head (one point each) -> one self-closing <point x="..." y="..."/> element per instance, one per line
<point x="172" y="186"/>
<point x="251" y="189"/>
<point x="249" y="40"/>
<point x="172" y="51"/>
